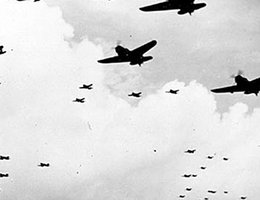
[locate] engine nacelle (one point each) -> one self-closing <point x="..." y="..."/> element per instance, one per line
<point x="121" y="51"/>
<point x="240" y="80"/>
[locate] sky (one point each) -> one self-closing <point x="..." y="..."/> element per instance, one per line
<point x="114" y="147"/>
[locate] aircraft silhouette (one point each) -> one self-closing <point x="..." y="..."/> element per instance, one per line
<point x="188" y="189"/>
<point x="133" y="56"/>
<point x="82" y="100"/>
<point x="210" y="157"/>
<point x="186" y="175"/>
<point x="44" y="165"/>
<point x="89" y="87"/>
<point x="242" y="197"/>
<point x="133" y="94"/>
<point x="1" y="50"/>
<point x="194" y="175"/>
<point x="225" y="192"/>
<point x="3" y="175"/>
<point x="4" y="158"/>
<point x="190" y="151"/>
<point x="172" y="91"/>
<point x="242" y="85"/>
<point x="182" y="196"/>
<point x="225" y="159"/>
<point x="26" y="0"/>
<point x="202" y="167"/>
<point x="212" y="191"/>
<point x="184" y="6"/>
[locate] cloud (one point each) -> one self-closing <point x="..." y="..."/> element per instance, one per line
<point x="105" y="148"/>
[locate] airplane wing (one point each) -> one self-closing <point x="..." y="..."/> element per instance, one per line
<point x="230" y="89"/>
<point x="115" y="59"/>
<point x="142" y="49"/>
<point x="167" y="5"/>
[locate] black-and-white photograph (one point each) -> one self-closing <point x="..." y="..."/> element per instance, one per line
<point x="129" y="100"/>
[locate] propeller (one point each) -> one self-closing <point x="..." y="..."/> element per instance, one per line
<point x="239" y="73"/>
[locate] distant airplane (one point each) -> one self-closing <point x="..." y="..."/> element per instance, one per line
<point x="203" y="167"/>
<point x="242" y="197"/>
<point x="82" y="100"/>
<point x="172" y="91"/>
<point x="133" y="94"/>
<point x="26" y="0"/>
<point x="225" y="192"/>
<point x="212" y="191"/>
<point x="225" y="159"/>
<point x="182" y="196"/>
<point x="242" y="85"/>
<point x="210" y="157"/>
<point x="3" y="175"/>
<point x="89" y="87"/>
<point x="184" y="6"/>
<point x="188" y="189"/>
<point x="4" y="157"/>
<point x="190" y="151"/>
<point x="186" y="175"/>
<point x="1" y="50"/>
<point x="133" y="56"/>
<point x="194" y="175"/>
<point x="44" y="165"/>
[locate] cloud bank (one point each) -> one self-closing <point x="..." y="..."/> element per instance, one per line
<point x="108" y="148"/>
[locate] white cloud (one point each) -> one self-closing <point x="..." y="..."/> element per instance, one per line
<point x="116" y="159"/>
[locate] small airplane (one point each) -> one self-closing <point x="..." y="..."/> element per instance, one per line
<point x="225" y="192"/>
<point x="3" y="175"/>
<point x="44" y="165"/>
<point x="172" y="91"/>
<point x="190" y="151"/>
<point x="212" y="191"/>
<point x="203" y="167"/>
<point x="210" y="157"/>
<point x="184" y="6"/>
<point x="242" y="197"/>
<point x="194" y="175"/>
<point x="82" y="100"/>
<point x="133" y="56"/>
<point x="242" y="85"/>
<point x="1" y="50"/>
<point x="188" y="189"/>
<point x="186" y="175"/>
<point x="89" y="87"/>
<point x="133" y="94"/>
<point x="26" y="0"/>
<point x="226" y="159"/>
<point x="4" y="158"/>
<point x="181" y="196"/>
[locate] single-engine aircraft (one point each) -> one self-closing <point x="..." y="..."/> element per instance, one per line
<point x="82" y="100"/>
<point x="4" y="157"/>
<point x="184" y="6"/>
<point x="133" y="56"/>
<point x="89" y="87"/>
<point x="44" y="165"/>
<point x="133" y="94"/>
<point x="242" y="85"/>
<point x="172" y="91"/>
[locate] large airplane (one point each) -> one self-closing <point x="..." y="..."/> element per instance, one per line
<point x="242" y="85"/>
<point x="184" y="6"/>
<point x="133" y="56"/>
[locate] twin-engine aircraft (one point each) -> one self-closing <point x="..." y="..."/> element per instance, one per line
<point x="184" y="6"/>
<point x="133" y="56"/>
<point x="242" y="85"/>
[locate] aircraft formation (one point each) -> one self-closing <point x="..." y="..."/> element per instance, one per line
<point x="137" y="57"/>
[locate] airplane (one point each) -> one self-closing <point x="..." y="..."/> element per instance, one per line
<point x="225" y="159"/>
<point x="44" y="165"/>
<point x="188" y="189"/>
<point x="186" y="175"/>
<point x="26" y="0"/>
<point x="133" y="94"/>
<point x="184" y="6"/>
<point x="194" y="175"/>
<point x="172" y="91"/>
<point x="242" y="197"/>
<point x="242" y="85"/>
<point x="1" y="50"/>
<point x="181" y="196"/>
<point x="190" y="151"/>
<point x="4" y="158"/>
<point x="210" y="157"/>
<point x="133" y="56"/>
<point x="3" y="175"/>
<point x="225" y="192"/>
<point x="82" y="100"/>
<point x="203" y="167"/>
<point x="212" y="191"/>
<point x="89" y="87"/>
